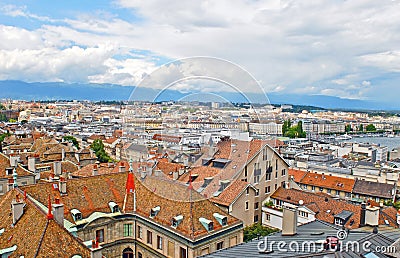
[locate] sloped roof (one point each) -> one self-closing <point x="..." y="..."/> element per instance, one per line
<point x="34" y="233"/>
<point x="92" y="194"/>
<point x="373" y="189"/>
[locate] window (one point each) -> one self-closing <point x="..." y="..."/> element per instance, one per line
<point x="267" y="189"/>
<point x="245" y="171"/>
<point x="182" y="252"/>
<point x="127" y="230"/>
<point x="247" y="205"/>
<point x="127" y="253"/>
<point x="348" y="195"/>
<point x="329" y="191"/>
<point x="159" y="243"/>
<point x="257" y="192"/>
<point x="276" y="186"/>
<point x="276" y="164"/>
<point x="321" y="189"/>
<point x="1" y="188"/>
<point x="276" y="174"/>
<point x="305" y="187"/>
<point x="100" y="235"/>
<point x="268" y="177"/>
<point x="283" y="172"/>
<point x="267" y="216"/>
<point x="140" y="232"/>
<point x="149" y="237"/>
<point x="283" y="184"/>
<point x="220" y="245"/>
<point x="255" y="218"/>
<point x="256" y="205"/>
<point x="337" y="192"/>
<point x="257" y="173"/>
<point x="247" y="191"/>
<point x="313" y="188"/>
<point x="338" y="222"/>
<point x="265" y="154"/>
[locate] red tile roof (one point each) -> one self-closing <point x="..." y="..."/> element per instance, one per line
<point x="34" y="233"/>
<point x="231" y="193"/>
<point x="92" y="194"/>
<point x="330" y="182"/>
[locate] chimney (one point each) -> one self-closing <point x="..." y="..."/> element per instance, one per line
<point x="175" y="175"/>
<point x="149" y="170"/>
<point x="95" y="172"/>
<point x="62" y="185"/>
<point x="372" y="216"/>
<point x="32" y="164"/>
<point x="122" y="167"/>
<point x="17" y="207"/>
<point x="157" y="172"/>
<point x="57" y="168"/>
<point x="95" y="249"/>
<point x="10" y="184"/>
<point x="289" y="220"/>
<point x="181" y="171"/>
<point x="14" y="161"/>
<point x="362" y="214"/>
<point x="142" y="173"/>
<point x="58" y="212"/>
<point x="62" y="154"/>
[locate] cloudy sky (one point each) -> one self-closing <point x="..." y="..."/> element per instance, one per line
<point x="349" y="49"/>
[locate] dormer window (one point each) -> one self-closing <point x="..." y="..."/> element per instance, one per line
<point x="176" y="221"/>
<point x="76" y="214"/>
<point x="208" y="224"/>
<point x="154" y="211"/>
<point x="113" y="207"/>
<point x="223" y="220"/>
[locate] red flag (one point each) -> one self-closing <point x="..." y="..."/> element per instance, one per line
<point x="130" y="183"/>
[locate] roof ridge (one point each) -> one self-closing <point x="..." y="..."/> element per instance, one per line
<point x="41" y="238"/>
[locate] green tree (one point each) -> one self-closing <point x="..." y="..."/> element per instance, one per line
<point x="347" y="128"/>
<point x="4" y="135"/>
<point x="73" y="140"/>
<point x="256" y="230"/>
<point x="3" y="118"/>
<point x="361" y="128"/>
<point x="98" y="147"/>
<point x="370" y="128"/>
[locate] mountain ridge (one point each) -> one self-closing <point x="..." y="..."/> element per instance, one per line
<point x="14" y="89"/>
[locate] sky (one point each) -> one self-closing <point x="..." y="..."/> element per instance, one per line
<point x="349" y="49"/>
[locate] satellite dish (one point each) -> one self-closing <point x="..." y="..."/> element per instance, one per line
<point x="301" y="202"/>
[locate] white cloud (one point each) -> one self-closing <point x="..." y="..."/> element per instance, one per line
<point x="340" y="48"/>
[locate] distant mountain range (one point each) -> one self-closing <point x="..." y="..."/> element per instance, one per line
<point x="95" y="92"/>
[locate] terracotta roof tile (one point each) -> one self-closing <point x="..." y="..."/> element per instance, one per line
<point x="92" y="194"/>
<point x="231" y="192"/>
<point x="28" y="231"/>
<point x="327" y="181"/>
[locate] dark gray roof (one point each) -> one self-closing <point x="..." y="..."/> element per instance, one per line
<point x="374" y="189"/>
<point x="344" y="215"/>
<point x="138" y="148"/>
<point x="316" y="231"/>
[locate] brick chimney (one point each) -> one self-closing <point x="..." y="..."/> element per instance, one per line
<point x="95" y="172"/>
<point x="58" y="211"/>
<point x="122" y="167"/>
<point x="32" y="164"/>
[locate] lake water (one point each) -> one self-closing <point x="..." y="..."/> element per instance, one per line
<point x="391" y="143"/>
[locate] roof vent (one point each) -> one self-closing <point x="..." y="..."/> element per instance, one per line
<point x="223" y="220"/>
<point x="76" y="215"/>
<point x="208" y="224"/>
<point x="113" y="207"/>
<point x="176" y="221"/>
<point x="154" y="211"/>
